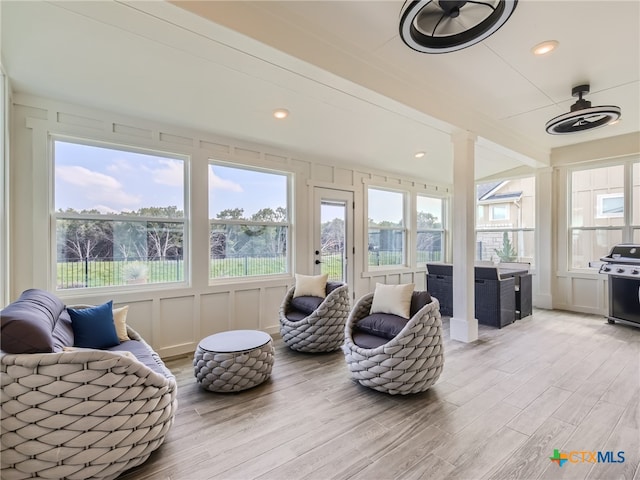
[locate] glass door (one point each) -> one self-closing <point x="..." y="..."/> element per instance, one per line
<point x="333" y="234"/>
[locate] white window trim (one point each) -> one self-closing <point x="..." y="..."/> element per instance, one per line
<point x="404" y="228"/>
<point x="55" y="216"/>
<point x="290" y="255"/>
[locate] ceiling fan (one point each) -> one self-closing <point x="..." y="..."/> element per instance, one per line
<point x="582" y="115"/>
<point x="443" y="26"/>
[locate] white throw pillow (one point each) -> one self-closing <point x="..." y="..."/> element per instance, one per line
<point x="395" y="299"/>
<point x="311" y="285"/>
<point x="120" y="320"/>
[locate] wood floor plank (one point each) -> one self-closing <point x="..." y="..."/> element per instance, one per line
<point x="535" y="414"/>
<point x="476" y="432"/>
<point x="405" y="456"/>
<point x="533" y="456"/>
<point x="496" y="448"/>
<point x="580" y="403"/>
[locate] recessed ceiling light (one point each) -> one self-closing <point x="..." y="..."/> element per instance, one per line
<point x="281" y="113"/>
<point x="545" y="47"/>
<point x="419" y="154"/>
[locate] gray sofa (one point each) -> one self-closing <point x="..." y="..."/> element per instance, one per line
<point x="76" y="413"/>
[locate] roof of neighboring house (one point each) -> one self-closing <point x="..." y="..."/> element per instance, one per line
<point x="486" y="188"/>
<point x="488" y="192"/>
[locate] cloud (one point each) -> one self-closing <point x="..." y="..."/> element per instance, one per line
<point x="217" y="183"/>
<point x="120" y="165"/>
<point x="83" y="177"/>
<point x="172" y="174"/>
<point x="97" y="187"/>
<point x="104" y="209"/>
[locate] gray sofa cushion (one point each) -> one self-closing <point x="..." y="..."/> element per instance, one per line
<point x="296" y="315"/>
<point x="366" y="340"/>
<point x="63" y="332"/>
<point x="418" y="300"/>
<point x="143" y="353"/>
<point x="306" y="304"/>
<point x="27" y="324"/>
<point x="385" y="325"/>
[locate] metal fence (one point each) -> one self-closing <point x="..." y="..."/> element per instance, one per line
<point x="242" y="265"/>
<point x="108" y="272"/>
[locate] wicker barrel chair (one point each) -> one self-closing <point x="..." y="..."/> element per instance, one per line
<point x="83" y="413"/>
<point x="320" y="326"/>
<point x="410" y="362"/>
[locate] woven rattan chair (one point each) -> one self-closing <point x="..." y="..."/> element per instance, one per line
<point x="408" y="363"/>
<point x="89" y="414"/>
<point x="321" y="330"/>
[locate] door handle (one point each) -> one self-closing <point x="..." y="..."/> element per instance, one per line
<point x="318" y="262"/>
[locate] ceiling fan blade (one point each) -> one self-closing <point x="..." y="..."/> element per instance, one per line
<point x="473" y="14"/>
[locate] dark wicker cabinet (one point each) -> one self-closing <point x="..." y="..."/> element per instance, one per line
<point x="440" y="286"/>
<point x="524" y="306"/>
<point x="499" y="299"/>
<point x="495" y="298"/>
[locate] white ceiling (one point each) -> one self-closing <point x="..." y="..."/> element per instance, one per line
<point x="356" y="93"/>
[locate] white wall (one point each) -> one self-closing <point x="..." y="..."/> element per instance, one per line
<point x="174" y="320"/>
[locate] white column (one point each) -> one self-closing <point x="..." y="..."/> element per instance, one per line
<point x="542" y="296"/>
<point x="464" y="326"/>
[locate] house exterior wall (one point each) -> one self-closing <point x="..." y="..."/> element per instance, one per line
<point x="173" y="319"/>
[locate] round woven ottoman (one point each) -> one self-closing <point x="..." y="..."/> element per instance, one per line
<point x="233" y="361"/>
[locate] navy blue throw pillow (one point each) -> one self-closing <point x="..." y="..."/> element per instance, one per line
<point x="94" y="327"/>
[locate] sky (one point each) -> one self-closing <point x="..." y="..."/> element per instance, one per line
<point x="112" y="181"/>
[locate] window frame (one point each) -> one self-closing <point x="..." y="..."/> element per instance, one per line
<point x="54" y="216"/>
<point x="600" y="198"/>
<point x="492" y="210"/>
<point x="501" y="230"/>
<point x="441" y="230"/>
<point x="290" y="247"/>
<point x="627" y="228"/>
<point x="404" y="228"/>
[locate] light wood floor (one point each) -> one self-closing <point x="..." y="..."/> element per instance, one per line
<point x="554" y="380"/>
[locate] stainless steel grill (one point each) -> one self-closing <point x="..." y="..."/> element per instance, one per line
<point x="622" y="265"/>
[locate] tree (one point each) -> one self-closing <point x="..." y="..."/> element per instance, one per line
<point x="332" y="236"/>
<point x="163" y="239"/>
<point x="82" y="239"/>
<point x="231" y="214"/>
<point x="507" y="253"/>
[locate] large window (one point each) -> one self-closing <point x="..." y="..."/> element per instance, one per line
<point x="505" y="221"/>
<point x="429" y="230"/>
<point x="119" y="216"/>
<point x="598" y="219"/>
<point x="387" y="230"/>
<point x="249" y="222"/>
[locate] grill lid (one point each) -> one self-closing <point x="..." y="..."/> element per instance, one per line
<point x="628" y="253"/>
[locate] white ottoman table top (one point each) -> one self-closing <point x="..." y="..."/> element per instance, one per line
<point x="235" y="341"/>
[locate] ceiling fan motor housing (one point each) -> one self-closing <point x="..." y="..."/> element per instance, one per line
<point x="581" y="103"/>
